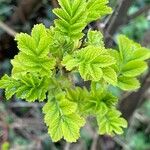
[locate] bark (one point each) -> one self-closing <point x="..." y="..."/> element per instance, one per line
<point x="23" y="11"/>
<point x="129" y="104"/>
<point x="117" y="19"/>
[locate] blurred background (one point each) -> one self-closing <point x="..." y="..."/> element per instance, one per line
<point x="21" y="123"/>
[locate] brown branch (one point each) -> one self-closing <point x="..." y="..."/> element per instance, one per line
<point x="116" y="20"/>
<point x="54" y="3"/>
<point x="139" y="12"/>
<point x="23" y="11"/>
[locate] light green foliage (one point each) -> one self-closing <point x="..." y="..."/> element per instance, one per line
<point x="74" y="15"/>
<point x="62" y="118"/>
<point x="78" y="96"/>
<point x="29" y="86"/>
<point x="131" y="63"/>
<point x="95" y="38"/>
<point x="100" y="101"/>
<point x="5" y="146"/>
<point x="48" y="59"/>
<point x="127" y="83"/>
<point x="60" y="43"/>
<point x="91" y="63"/>
<point x="34" y="52"/>
<point x="111" y="122"/>
<point x="97" y="9"/>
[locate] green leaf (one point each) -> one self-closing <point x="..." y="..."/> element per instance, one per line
<point x="52" y="119"/>
<point x="111" y="123"/>
<point x="23" y="64"/>
<point x="96" y="9"/>
<point x="99" y="101"/>
<point x="95" y="38"/>
<point x="126" y="48"/>
<point x="10" y="85"/>
<point x="134" y="68"/>
<point x="60" y="44"/>
<point x="141" y="54"/>
<point x="75" y="15"/>
<point x="127" y="83"/>
<point x="130" y="50"/>
<point x="71" y="127"/>
<point x="69" y="62"/>
<point x="110" y="75"/>
<point x="72" y="17"/>
<point x="37" y="44"/>
<point x="29" y="87"/>
<point x="33" y="56"/>
<point x="62" y="119"/>
<point x="79" y="96"/>
<point x="90" y="72"/>
<point x="90" y="61"/>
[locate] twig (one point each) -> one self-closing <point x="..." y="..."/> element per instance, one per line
<point x="121" y="142"/>
<point x="25" y="104"/>
<point x="67" y="146"/>
<point x="116" y="20"/>
<point x="139" y="12"/>
<point x="7" y="29"/>
<point x="95" y="142"/>
<point x="24" y="10"/>
<point x="54" y="3"/>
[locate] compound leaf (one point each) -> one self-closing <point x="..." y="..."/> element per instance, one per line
<point x="69" y="62"/>
<point x="134" y="68"/>
<point x="62" y="119"/>
<point x="72" y="17"/>
<point x="95" y="38"/>
<point x="33" y="56"/>
<point x="127" y="83"/>
<point x="110" y="75"/>
<point x="29" y="87"/>
<point x="141" y="54"/>
<point x="111" y="122"/>
<point x="79" y="96"/>
<point x="96" y="9"/>
<point x="90" y="61"/>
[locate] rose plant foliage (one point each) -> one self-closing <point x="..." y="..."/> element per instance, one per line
<point x="51" y="58"/>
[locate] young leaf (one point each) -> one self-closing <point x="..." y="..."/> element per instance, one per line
<point x="33" y="56"/>
<point x="126" y="83"/>
<point x="111" y="122"/>
<point x="79" y="96"/>
<point x="60" y="44"/>
<point x="95" y="38"/>
<point x="90" y="72"/>
<point x="110" y="75"/>
<point x="10" y="85"/>
<point x="29" y="87"/>
<point x="131" y="50"/>
<point x="72" y="17"/>
<point x="37" y="44"/>
<point x="96" y="9"/>
<point x="91" y="61"/>
<point x="99" y="101"/>
<point x="70" y="62"/>
<point x="141" y="54"/>
<point x="125" y="48"/>
<point x="134" y="68"/>
<point x="61" y="121"/>
<point x="23" y="64"/>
